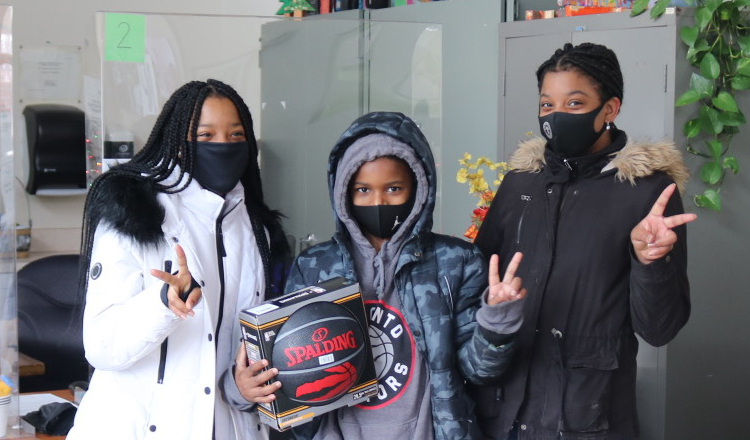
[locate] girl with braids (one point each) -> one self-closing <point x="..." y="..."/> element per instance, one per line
<point x="176" y="242"/>
<point x="602" y="231"/>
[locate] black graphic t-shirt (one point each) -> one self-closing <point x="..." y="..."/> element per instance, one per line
<point x="401" y="409"/>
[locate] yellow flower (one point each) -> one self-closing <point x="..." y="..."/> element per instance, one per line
<point x="478" y="185"/>
<point x="462" y="175"/>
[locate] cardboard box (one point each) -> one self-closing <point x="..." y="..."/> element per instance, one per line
<point x="261" y="325"/>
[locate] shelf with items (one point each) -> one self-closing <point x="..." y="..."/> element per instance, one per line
<point x="301" y="8"/>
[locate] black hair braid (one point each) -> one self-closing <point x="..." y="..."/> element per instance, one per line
<point x="167" y="149"/>
<point x="597" y="62"/>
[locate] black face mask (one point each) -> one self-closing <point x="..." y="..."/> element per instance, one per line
<point x="570" y="134"/>
<point x="382" y="220"/>
<point x="219" y="165"/>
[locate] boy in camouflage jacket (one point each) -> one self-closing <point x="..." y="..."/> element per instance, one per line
<point x="434" y="324"/>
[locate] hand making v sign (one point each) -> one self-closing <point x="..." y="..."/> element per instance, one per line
<point x="180" y="284"/>
<point x="653" y="237"/>
<point x="511" y="286"/>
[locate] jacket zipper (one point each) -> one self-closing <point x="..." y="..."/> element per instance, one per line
<point x="450" y="293"/>
<point x="558" y="335"/>
<point x="221" y="253"/>
<point x="163" y="354"/>
<point x="526" y="199"/>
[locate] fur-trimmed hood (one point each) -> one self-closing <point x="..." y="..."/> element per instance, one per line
<point x="636" y="159"/>
<point x="130" y="207"/>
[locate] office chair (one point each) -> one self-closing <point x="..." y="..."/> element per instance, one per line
<point x="49" y="328"/>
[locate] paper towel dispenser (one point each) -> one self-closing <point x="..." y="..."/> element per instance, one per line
<point x="56" y="136"/>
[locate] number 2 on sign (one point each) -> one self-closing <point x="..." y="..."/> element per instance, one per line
<point x="125" y="38"/>
<point x="121" y="44"/>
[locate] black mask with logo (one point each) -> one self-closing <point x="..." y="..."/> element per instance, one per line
<point x="570" y="134"/>
<point x="382" y="221"/>
<point x="219" y="165"/>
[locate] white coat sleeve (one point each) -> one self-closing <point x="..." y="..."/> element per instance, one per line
<point x="124" y="318"/>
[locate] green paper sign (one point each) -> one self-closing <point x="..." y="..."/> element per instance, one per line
<point x="125" y="38"/>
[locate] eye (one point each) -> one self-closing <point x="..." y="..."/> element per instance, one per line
<point x="238" y="134"/>
<point x="204" y="135"/>
<point x="574" y="103"/>
<point x="362" y="190"/>
<point x="545" y="105"/>
<point x="392" y="189"/>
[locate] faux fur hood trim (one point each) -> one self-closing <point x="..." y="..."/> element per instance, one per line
<point x="636" y="159"/>
<point x="130" y="207"/>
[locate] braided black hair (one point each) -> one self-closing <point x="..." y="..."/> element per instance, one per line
<point x="171" y="146"/>
<point x="597" y="62"/>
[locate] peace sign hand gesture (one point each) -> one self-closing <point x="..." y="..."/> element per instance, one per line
<point x="653" y="237"/>
<point x="510" y="288"/>
<point x="180" y="284"/>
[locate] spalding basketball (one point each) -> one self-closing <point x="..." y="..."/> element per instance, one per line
<point x="319" y="352"/>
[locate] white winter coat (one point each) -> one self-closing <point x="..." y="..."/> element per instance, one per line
<point x="125" y="324"/>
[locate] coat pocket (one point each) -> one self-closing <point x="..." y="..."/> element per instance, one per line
<point x="454" y="418"/>
<point x="586" y="384"/>
<point x="487" y="399"/>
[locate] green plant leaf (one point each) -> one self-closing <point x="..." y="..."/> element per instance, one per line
<point x="702" y="16"/>
<point x="725" y="101"/>
<point x="658" y="9"/>
<point x="741" y="82"/>
<point x="702" y="45"/>
<point x="710" y="66"/>
<point x="704" y="86"/>
<point x="732" y="119"/>
<point x="638" y="7"/>
<point x="711" y="199"/>
<point x="716" y="148"/>
<point x="699" y="46"/>
<point x="692" y="128"/>
<point x="688" y="97"/>
<point x="711" y="172"/>
<point x="710" y="120"/>
<point x="730" y="130"/>
<point x="705" y="202"/>
<point x="743" y="66"/>
<point x="736" y="4"/>
<point x="731" y="163"/>
<point x="689" y="34"/>
<point x="712" y="5"/>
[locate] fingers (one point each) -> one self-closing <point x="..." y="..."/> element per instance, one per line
<point x="194" y="298"/>
<point x="252" y="380"/>
<point x="160" y="274"/>
<point x="510" y="271"/>
<point x="179" y="283"/>
<point x="181" y="259"/>
<point x="240" y="361"/>
<point x="494" y="276"/>
<point x="661" y="202"/>
<point x="177" y="305"/>
<point x="511" y="287"/>
<point x="679" y="219"/>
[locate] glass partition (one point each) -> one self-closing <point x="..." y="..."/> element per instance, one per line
<point x="9" y="365"/>
<point x="135" y="61"/>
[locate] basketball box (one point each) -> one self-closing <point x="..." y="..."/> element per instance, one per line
<point x="317" y="337"/>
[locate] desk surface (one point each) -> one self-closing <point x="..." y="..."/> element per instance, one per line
<point x="28" y="366"/>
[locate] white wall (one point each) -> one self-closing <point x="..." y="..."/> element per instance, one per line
<point x="52" y="23"/>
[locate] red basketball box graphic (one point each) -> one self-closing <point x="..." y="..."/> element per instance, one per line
<point x="317" y="337"/>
